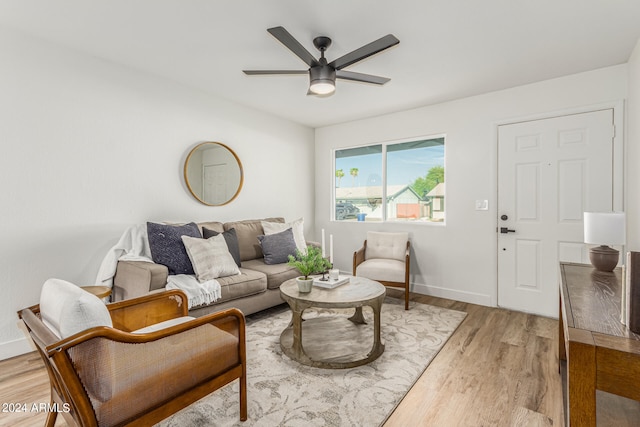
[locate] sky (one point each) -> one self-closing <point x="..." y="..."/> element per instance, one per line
<point x="403" y="167"/>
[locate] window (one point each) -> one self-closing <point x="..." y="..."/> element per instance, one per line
<point x="358" y="173"/>
<point x="402" y="181"/>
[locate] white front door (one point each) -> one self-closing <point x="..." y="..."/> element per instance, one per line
<point x="549" y="172"/>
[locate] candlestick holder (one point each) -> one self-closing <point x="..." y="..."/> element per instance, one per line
<point x="328" y="266"/>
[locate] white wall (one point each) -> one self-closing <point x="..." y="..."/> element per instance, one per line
<point x="457" y="260"/>
<point x="90" y="147"/>
<point x="633" y="152"/>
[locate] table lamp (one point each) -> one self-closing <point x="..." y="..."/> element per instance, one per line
<point x="604" y="229"/>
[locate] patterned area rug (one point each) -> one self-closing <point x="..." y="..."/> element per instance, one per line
<point x="282" y="392"/>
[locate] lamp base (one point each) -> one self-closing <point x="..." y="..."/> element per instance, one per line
<point x="604" y="258"/>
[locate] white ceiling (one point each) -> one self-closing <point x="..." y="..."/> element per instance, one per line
<point x="448" y="49"/>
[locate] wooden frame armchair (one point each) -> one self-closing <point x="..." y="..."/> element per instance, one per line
<point x="153" y="361"/>
<point x="386" y="260"/>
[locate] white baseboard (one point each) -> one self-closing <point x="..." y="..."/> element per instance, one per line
<point x="11" y="349"/>
<point x="453" y="294"/>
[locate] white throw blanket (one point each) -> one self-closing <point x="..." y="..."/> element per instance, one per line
<point x="132" y="246"/>
<point x="197" y="293"/>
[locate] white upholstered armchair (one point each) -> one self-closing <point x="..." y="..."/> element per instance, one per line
<point x="384" y="257"/>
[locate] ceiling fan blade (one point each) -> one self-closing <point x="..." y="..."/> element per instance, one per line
<point x="293" y="45"/>
<point x="264" y="72"/>
<point x="365" y="52"/>
<point x="359" y="77"/>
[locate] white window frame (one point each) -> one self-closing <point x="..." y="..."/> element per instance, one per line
<point x="384" y="145"/>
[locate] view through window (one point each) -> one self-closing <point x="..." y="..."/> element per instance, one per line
<point x="396" y="181"/>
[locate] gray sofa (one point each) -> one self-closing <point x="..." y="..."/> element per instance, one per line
<point x="255" y="289"/>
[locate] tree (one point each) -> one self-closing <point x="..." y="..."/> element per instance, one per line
<point x="422" y="185"/>
<point x="339" y="175"/>
<point x="353" y="172"/>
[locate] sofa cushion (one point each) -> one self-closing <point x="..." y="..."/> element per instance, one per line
<point x="167" y="247"/>
<point x="248" y="282"/>
<point x="277" y="247"/>
<point x="247" y="232"/>
<point x="66" y="309"/>
<point x="211" y="225"/>
<point x="296" y="226"/>
<point x="276" y="274"/>
<point x="210" y="257"/>
<point x="230" y="237"/>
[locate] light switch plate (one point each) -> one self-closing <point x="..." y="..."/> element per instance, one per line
<point x="482" y="205"/>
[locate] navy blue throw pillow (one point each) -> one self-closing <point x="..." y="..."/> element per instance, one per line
<point x="167" y="248"/>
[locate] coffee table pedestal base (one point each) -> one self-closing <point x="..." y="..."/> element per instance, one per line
<point x="333" y="342"/>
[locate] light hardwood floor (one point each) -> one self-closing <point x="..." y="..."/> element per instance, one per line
<point x="500" y="368"/>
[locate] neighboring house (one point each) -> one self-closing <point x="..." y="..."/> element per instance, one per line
<point x="403" y="201"/>
<point x="435" y="202"/>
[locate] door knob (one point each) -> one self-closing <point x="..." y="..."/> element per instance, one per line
<point x="505" y="230"/>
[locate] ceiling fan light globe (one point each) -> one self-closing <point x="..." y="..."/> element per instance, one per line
<point x="321" y="87"/>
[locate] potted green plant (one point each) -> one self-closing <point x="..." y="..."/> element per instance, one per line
<point x="308" y="263"/>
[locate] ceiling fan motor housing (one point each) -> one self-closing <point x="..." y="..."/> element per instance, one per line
<point x="322" y="73"/>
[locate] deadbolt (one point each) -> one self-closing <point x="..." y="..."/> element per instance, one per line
<point x="504" y="217"/>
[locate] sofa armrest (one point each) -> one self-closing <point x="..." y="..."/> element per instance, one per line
<point x="137" y="278"/>
<point x="314" y="244"/>
<point x="132" y="314"/>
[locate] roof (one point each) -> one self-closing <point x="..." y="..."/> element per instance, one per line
<point x="371" y="192"/>
<point x="437" y="191"/>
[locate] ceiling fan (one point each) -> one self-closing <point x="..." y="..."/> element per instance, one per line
<point x="323" y="74"/>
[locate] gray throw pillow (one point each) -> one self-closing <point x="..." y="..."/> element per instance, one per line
<point x="165" y="242"/>
<point x="277" y="247"/>
<point x="230" y="237"/>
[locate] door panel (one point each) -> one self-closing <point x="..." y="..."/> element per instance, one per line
<point x="527" y="264"/>
<point x="571" y="191"/>
<point x="549" y="172"/>
<point x="527" y="192"/>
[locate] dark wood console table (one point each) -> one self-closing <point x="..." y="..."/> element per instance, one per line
<point x="600" y="351"/>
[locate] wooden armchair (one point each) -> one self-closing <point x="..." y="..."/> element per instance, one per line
<point x="134" y="362"/>
<point x="385" y="258"/>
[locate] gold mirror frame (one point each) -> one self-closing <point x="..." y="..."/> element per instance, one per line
<point x="194" y="173"/>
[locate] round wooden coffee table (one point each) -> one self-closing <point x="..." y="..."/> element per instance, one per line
<point x="333" y="341"/>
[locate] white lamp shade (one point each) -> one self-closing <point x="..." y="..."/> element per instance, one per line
<point x="604" y="228"/>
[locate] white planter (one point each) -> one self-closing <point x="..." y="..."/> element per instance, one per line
<point x="304" y="286"/>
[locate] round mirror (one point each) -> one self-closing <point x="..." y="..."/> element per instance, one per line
<point x="213" y="173"/>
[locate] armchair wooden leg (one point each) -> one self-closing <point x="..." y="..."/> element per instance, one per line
<point x="243" y="397"/>
<point x="51" y="417"/>
<point x="406" y="297"/>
